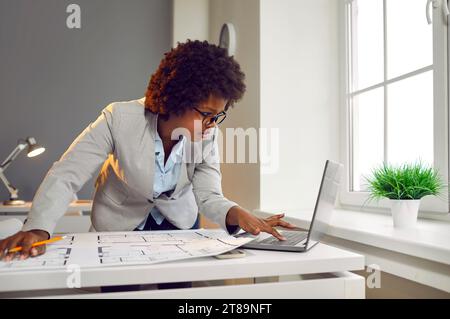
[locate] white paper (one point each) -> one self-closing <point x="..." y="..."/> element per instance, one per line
<point x="129" y="248"/>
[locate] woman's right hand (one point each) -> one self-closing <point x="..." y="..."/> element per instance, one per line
<point x="24" y="239"/>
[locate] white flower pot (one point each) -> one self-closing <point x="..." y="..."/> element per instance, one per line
<point x="404" y="212"/>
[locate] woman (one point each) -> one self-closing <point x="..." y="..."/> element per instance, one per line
<point x="152" y="175"/>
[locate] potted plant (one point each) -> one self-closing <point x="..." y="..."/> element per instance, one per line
<point x="404" y="186"/>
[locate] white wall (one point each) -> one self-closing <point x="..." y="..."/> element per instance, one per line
<point x="241" y="182"/>
<point x="289" y="52"/>
<point x="190" y="20"/>
<point x="299" y="95"/>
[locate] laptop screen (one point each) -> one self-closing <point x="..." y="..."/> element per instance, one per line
<point x="325" y="201"/>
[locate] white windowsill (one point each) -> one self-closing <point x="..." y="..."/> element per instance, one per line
<point x="429" y="240"/>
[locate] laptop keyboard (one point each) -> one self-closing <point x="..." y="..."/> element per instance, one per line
<point x="292" y="239"/>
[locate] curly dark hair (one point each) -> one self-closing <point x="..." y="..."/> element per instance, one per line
<point x="189" y="74"/>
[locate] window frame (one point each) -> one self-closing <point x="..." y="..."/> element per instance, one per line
<point x="348" y="198"/>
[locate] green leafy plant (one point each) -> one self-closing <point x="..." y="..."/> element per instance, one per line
<point x="407" y="181"/>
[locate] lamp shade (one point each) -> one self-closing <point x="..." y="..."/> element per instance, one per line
<point x="33" y="148"/>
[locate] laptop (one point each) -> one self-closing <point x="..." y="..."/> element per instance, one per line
<point x="301" y="241"/>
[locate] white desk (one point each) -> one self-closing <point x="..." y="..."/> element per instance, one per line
<point x="80" y="205"/>
<point x="330" y="265"/>
<point x="73" y="221"/>
<point x="420" y="254"/>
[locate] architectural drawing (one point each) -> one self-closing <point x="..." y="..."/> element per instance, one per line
<point x="129" y="248"/>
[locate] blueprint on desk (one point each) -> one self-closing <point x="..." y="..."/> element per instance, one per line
<point x="129" y="248"/>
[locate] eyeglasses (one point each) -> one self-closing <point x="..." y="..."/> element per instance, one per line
<point x="218" y="118"/>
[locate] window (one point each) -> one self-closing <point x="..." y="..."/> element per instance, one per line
<point x="396" y="101"/>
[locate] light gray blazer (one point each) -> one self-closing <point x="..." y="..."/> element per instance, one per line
<point x="120" y="144"/>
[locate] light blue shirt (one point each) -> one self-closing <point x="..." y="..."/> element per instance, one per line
<point x="166" y="176"/>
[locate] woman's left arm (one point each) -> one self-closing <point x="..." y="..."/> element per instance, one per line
<point x="207" y="188"/>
